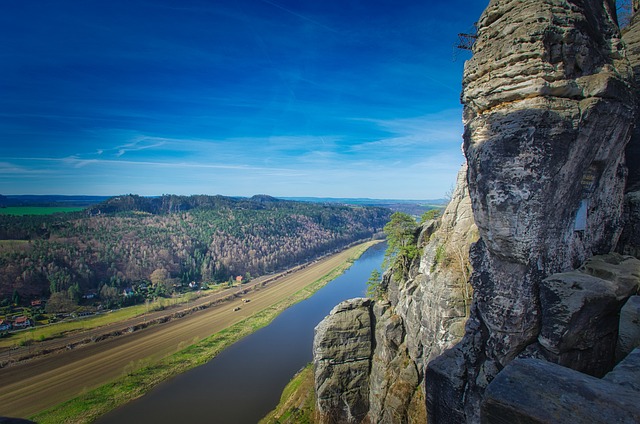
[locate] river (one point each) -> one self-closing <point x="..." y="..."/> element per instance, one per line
<point x="245" y="381"/>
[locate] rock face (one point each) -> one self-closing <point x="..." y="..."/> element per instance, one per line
<point x="342" y="351"/>
<point x="423" y="316"/>
<point x="547" y="114"/>
<point x="568" y="396"/>
<point x="580" y="313"/>
<point x="629" y="330"/>
<point x="629" y="243"/>
<point x="548" y="110"/>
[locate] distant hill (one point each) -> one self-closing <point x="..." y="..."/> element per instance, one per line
<point x="412" y="207"/>
<point x="49" y="200"/>
<point x="170" y="203"/>
<point x="123" y="240"/>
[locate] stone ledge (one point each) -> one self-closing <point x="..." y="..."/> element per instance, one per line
<point x="534" y="391"/>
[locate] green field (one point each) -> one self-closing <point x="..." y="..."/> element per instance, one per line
<point x="37" y="210"/>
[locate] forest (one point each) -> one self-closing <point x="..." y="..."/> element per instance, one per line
<point x="164" y="243"/>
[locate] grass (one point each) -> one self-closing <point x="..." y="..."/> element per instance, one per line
<point x="297" y="403"/>
<point x="37" y="210"/>
<point x="61" y="328"/>
<point x="94" y="403"/>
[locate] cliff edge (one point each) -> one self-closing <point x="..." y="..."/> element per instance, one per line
<point x="549" y="102"/>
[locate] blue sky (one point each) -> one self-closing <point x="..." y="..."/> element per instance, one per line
<point x="349" y="98"/>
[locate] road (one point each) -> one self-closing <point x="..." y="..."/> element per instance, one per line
<point x="32" y="386"/>
<point x="9" y="356"/>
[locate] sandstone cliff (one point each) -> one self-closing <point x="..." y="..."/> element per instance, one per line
<point x="548" y="110"/>
<point x="370" y="356"/>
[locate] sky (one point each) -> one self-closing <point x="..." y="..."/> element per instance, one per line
<point x="323" y="98"/>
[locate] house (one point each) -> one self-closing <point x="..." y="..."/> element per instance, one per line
<point x="36" y="303"/>
<point x="4" y="325"/>
<point x="22" y="322"/>
<point x="128" y="292"/>
<point x="239" y="279"/>
<point x="193" y="285"/>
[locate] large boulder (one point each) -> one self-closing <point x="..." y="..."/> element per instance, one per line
<point x="534" y="391"/>
<point x="580" y="312"/>
<point x="629" y="329"/>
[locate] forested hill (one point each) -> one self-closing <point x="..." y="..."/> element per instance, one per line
<point x="125" y="239"/>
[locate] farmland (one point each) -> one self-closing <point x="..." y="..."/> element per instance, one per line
<point x="37" y="210"/>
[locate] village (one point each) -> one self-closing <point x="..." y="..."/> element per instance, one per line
<point x="40" y="312"/>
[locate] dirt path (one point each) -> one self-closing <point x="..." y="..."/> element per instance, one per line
<point x="30" y="387"/>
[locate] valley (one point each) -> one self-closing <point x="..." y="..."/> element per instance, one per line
<point x="35" y="385"/>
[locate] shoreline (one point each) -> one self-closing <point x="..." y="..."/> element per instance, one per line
<point x="77" y="338"/>
<point x="96" y="402"/>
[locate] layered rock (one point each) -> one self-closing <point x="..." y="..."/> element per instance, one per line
<point x="342" y="351"/>
<point x="424" y="315"/>
<point x="547" y="114"/>
<point x="548" y="111"/>
<point x="580" y="313"/>
<point x="568" y="395"/>
<point x="629" y="329"/>
<point x="629" y="243"/>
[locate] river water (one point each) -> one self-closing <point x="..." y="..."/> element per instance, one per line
<point x="245" y="381"/>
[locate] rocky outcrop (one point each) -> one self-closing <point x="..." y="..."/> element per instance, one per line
<point x="548" y="111"/>
<point x="568" y="396"/>
<point x="580" y="313"/>
<point x="629" y="243"/>
<point x="435" y="301"/>
<point x="342" y="351"/>
<point x="629" y="329"/>
<point x="547" y="115"/>
<point x="423" y="316"/>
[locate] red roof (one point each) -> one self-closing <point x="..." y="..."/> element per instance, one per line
<point x="21" y="320"/>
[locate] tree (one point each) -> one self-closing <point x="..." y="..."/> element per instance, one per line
<point x="401" y="241"/>
<point x="110" y="295"/>
<point x="374" y="286"/>
<point x="430" y="214"/>
<point x="59" y="302"/>
<point x="74" y="293"/>
<point x="159" y="277"/>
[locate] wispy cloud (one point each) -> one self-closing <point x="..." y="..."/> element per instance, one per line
<point x="301" y="16"/>
<point x="8" y="168"/>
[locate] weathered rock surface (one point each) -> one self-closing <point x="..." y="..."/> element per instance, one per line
<point x="549" y="109"/>
<point x="629" y="243"/>
<point x="424" y="315"/>
<point x="629" y="329"/>
<point x="434" y="303"/>
<point x="627" y="372"/>
<point x="342" y="351"/>
<point x="559" y="395"/>
<point x="548" y="112"/>
<point x="580" y="312"/>
<point x="631" y="37"/>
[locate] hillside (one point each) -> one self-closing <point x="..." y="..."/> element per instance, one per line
<point x="124" y="240"/>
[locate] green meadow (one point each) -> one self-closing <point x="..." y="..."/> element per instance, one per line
<point x="37" y="210"/>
